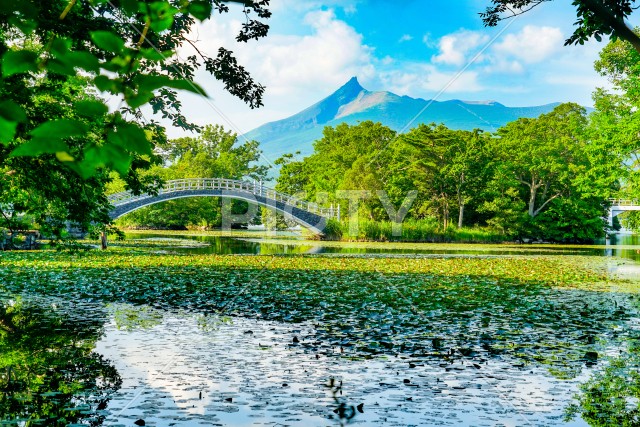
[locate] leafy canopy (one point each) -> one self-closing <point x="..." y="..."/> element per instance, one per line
<point x="596" y="18"/>
<point x="124" y="49"/>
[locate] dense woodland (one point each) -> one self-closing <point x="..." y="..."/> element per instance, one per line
<point x="546" y="178"/>
<point x="61" y="145"/>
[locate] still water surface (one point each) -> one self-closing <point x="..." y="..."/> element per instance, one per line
<point x="181" y="368"/>
<point x="623" y="246"/>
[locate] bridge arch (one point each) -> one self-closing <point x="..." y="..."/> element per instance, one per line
<point x="619" y="206"/>
<point x="307" y="214"/>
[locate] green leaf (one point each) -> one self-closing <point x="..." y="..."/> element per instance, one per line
<point x="105" y="84"/>
<point x="16" y="62"/>
<point x="200" y="9"/>
<point x="105" y="156"/>
<point x="108" y="41"/>
<point x="84" y="60"/>
<point x="137" y="99"/>
<point x="118" y="64"/>
<point x="25" y="25"/>
<point x="129" y="7"/>
<point x="149" y="83"/>
<point x="63" y="156"/>
<point x="60" y="67"/>
<point x="10" y="115"/>
<point x="58" y="129"/>
<point x="161" y="15"/>
<point x="91" y="108"/>
<point x="131" y="137"/>
<point x="89" y="165"/>
<point x="12" y="111"/>
<point x="37" y="146"/>
<point x="7" y="130"/>
<point x="153" y="55"/>
<point x="60" y="46"/>
<point x="117" y="158"/>
<point x="187" y="85"/>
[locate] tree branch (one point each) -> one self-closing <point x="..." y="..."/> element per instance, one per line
<point x="67" y="9"/>
<point x="618" y="26"/>
<point x="537" y="211"/>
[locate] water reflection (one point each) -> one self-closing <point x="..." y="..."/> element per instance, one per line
<point x="622" y="246"/>
<point x="222" y="245"/>
<point x="251" y="372"/>
<point x="49" y="372"/>
<point x="611" y="397"/>
<point x="115" y="364"/>
<point x="466" y="351"/>
<point x="625" y="246"/>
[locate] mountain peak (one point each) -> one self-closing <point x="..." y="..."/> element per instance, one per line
<point x="353" y="104"/>
<point x="353" y="83"/>
<point x="348" y="91"/>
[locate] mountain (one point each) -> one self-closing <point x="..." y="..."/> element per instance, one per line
<point x="352" y="104"/>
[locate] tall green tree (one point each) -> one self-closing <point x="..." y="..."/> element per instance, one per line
<point x="126" y="49"/>
<point x="546" y="159"/>
<point x="44" y="190"/>
<point x="615" y="124"/>
<point x="542" y="154"/>
<point x="615" y="128"/>
<point x="347" y="157"/>
<point x="449" y="165"/>
<point x="215" y="153"/>
<point x="59" y="59"/>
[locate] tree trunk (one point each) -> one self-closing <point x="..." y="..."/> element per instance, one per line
<point x="446" y="216"/>
<point x="461" y="215"/>
<point x="532" y="201"/>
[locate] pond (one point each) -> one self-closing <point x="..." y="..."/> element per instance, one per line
<point x="623" y="245"/>
<point x="157" y="333"/>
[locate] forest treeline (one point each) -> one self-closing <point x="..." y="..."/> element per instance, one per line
<point x="546" y="178"/>
<point x="534" y="178"/>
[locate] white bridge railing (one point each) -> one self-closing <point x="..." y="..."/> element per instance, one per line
<point x="625" y="202"/>
<point x="254" y="188"/>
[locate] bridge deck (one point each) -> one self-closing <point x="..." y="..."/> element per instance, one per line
<point x="310" y="215"/>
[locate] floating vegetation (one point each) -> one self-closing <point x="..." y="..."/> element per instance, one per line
<point x="164" y="242"/>
<point x="460" y="320"/>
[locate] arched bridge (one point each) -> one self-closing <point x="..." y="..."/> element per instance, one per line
<point x="307" y="214"/>
<point x="622" y="205"/>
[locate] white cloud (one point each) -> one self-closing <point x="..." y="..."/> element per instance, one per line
<point x="427" y="81"/>
<point x="297" y="70"/>
<point x="454" y="47"/>
<point x="504" y="66"/>
<point x="405" y="38"/>
<point x="428" y="41"/>
<point x="532" y="44"/>
<point x="327" y="57"/>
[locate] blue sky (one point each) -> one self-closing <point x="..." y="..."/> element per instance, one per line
<point x="432" y="49"/>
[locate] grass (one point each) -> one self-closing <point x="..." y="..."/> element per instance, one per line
<point x="414" y="231"/>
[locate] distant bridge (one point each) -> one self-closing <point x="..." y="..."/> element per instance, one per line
<point x="622" y="205"/>
<point x="307" y="214"/>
